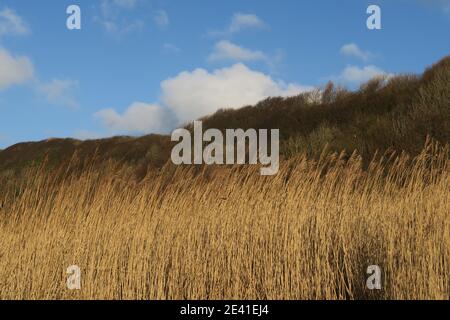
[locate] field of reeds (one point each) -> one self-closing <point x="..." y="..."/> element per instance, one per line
<point x="227" y="233"/>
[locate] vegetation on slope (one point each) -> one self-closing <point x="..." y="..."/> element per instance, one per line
<point x="384" y="115"/>
<point x="394" y="114"/>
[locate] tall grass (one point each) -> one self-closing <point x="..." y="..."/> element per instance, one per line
<point x="212" y="233"/>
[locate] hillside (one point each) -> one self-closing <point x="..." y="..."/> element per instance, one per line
<point x="394" y="114"/>
<point x="139" y="229"/>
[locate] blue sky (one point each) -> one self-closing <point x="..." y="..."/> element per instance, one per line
<point x="142" y="66"/>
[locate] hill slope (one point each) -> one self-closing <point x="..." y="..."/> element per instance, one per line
<point x="396" y="114"/>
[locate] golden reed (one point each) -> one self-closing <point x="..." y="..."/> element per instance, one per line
<point x="227" y="233"/>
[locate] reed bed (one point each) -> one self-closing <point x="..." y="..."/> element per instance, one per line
<point x="309" y="232"/>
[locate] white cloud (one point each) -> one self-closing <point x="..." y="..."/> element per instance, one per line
<point x="225" y="50"/>
<point x="112" y="19"/>
<point x="161" y="19"/>
<point x="11" y="23"/>
<point x="59" y="92"/>
<point x="191" y="95"/>
<point x="138" y="118"/>
<point x="352" y="50"/>
<point x="242" y="21"/>
<point x="14" y="70"/>
<point x="239" y="22"/>
<point x="356" y="75"/>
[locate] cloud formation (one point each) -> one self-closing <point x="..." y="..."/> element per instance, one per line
<point x="352" y="50"/>
<point x="112" y="20"/>
<point x="240" y="22"/>
<point x="14" y="70"/>
<point x="227" y="51"/>
<point x="355" y="75"/>
<point x="59" y="92"/>
<point x="138" y="118"/>
<point x="191" y="95"/>
<point x="12" y="24"/>
<point x="17" y="70"/>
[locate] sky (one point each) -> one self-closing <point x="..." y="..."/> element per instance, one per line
<point x="147" y="66"/>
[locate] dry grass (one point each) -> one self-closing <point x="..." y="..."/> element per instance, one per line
<point x="308" y="233"/>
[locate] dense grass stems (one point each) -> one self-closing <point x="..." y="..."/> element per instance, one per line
<point x="227" y="233"/>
